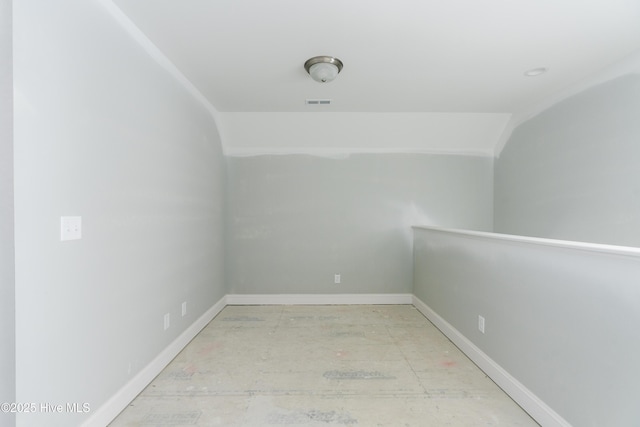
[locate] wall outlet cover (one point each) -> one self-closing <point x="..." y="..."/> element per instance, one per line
<point x="167" y="321"/>
<point x="70" y="227"/>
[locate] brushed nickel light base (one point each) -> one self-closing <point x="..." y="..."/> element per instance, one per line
<point x="323" y="69"/>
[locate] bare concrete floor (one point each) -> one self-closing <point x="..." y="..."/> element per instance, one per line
<point x="322" y="366"/>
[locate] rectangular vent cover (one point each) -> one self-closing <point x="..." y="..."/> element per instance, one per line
<point x="318" y="101"/>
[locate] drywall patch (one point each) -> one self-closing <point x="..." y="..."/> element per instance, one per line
<point x="360" y="132"/>
<point x="343" y="153"/>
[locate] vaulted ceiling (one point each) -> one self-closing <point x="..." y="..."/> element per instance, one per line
<point x="444" y="56"/>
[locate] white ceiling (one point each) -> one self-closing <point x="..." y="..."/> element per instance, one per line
<point x="432" y="76"/>
<point x="399" y="56"/>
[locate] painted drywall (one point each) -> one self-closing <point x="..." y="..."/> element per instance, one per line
<point x="296" y="220"/>
<point x="572" y="171"/>
<point x="321" y="131"/>
<point x="561" y="320"/>
<point x="7" y="260"/>
<point x="624" y="66"/>
<point x="104" y="132"/>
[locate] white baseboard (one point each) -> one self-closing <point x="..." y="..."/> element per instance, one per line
<point x="319" y="299"/>
<point x="535" y="407"/>
<point x="112" y="407"/>
<point x="542" y="413"/>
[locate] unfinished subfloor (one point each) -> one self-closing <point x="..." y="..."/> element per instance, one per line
<point x="383" y="365"/>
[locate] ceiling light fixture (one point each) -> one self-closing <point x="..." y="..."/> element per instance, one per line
<point x="535" y="71"/>
<point x="323" y="69"/>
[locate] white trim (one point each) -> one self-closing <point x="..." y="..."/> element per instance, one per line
<point x="319" y="299"/>
<point x="538" y="410"/>
<point x="345" y="152"/>
<point x="565" y="244"/>
<point x="112" y="407"/>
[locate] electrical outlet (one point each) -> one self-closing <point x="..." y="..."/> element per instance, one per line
<point x="167" y="321"/>
<point x="70" y="227"/>
<point x="337" y="278"/>
<point x="481" y="324"/>
<point x="184" y="309"/>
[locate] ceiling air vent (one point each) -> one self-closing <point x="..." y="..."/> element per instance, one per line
<point x="318" y="102"/>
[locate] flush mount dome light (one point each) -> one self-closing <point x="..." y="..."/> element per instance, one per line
<point x="323" y="69"/>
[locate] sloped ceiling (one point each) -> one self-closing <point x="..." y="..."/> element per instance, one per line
<point x="400" y="56"/>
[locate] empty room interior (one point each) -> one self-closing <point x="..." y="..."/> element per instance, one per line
<point x="359" y="180"/>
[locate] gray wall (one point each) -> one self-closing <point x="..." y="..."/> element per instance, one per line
<point x="102" y="131"/>
<point x="573" y="171"/>
<point x="562" y="321"/>
<point x="7" y="273"/>
<point x="296" y="220"/>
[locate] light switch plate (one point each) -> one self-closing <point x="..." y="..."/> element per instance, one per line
<point x="70" y="227"/>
